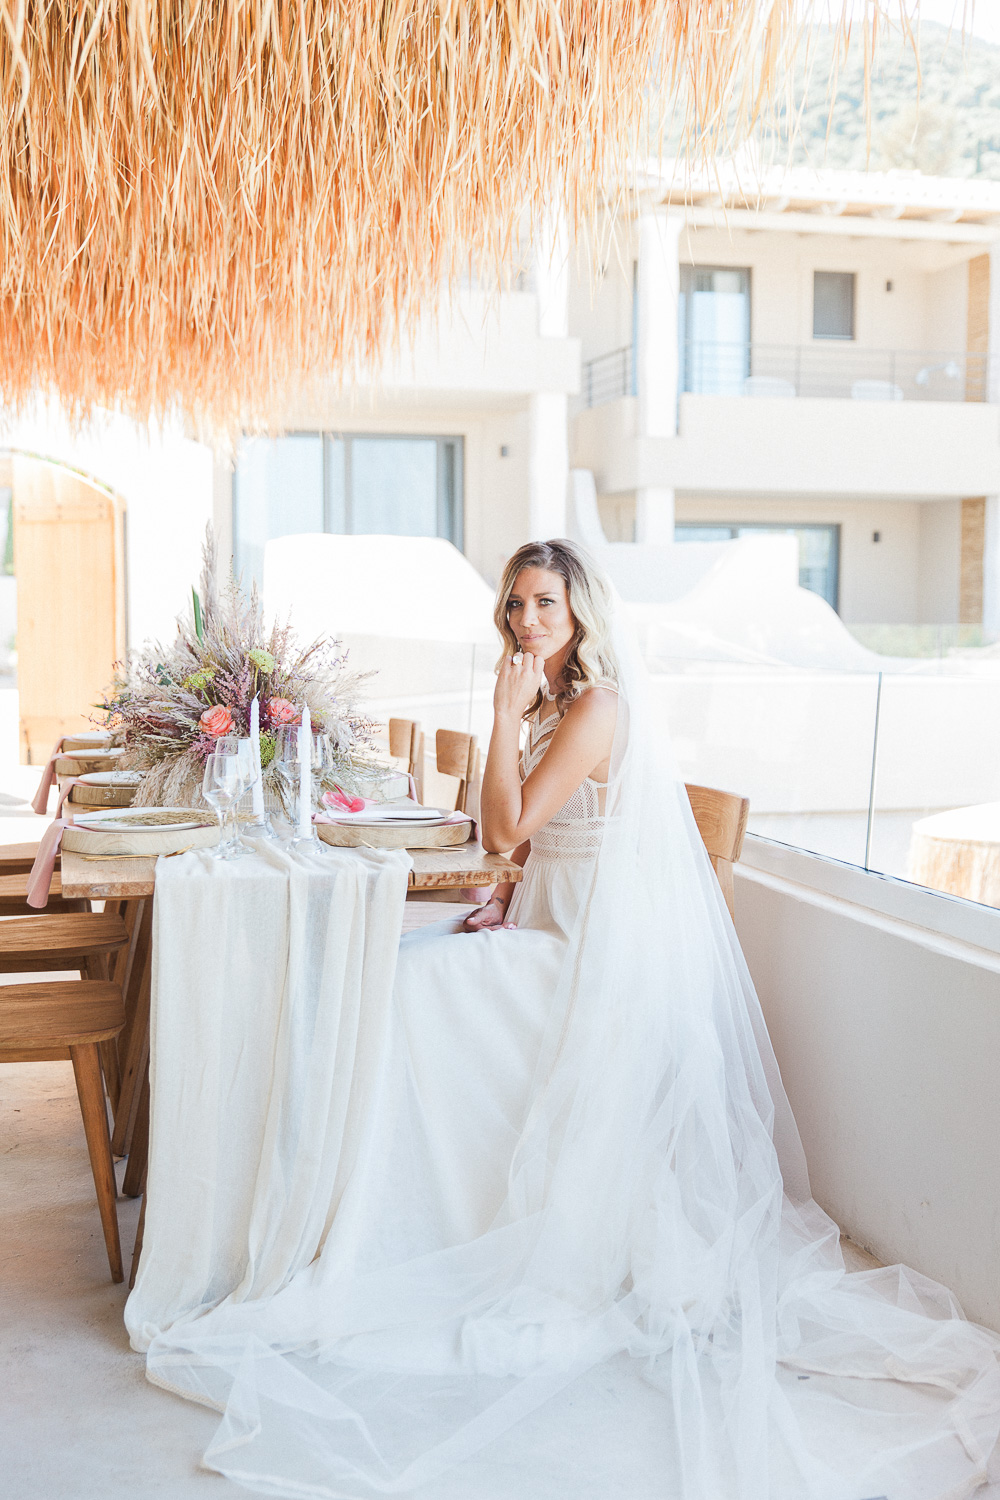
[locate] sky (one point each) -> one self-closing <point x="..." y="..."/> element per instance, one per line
<point x="982" y="17"/>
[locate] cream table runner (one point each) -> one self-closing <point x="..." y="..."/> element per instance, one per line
<point x="272" y="982"/>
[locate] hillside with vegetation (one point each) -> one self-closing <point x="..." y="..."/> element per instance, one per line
<point x="941" y="117"/>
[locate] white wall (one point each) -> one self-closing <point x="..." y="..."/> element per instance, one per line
<point x="168" y="484"/>
<point x="883" y="1004"/>
<point x="878" y="580"/>
<point x="925" y="309"/>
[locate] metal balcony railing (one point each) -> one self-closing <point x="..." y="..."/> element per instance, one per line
<point x="609" y="376"/>
<point x="841" y="371"/>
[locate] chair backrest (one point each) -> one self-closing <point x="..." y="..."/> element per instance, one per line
<point x="406" y="742"/>
<point x="458" y="755"/>
<point x="722" y="821"/>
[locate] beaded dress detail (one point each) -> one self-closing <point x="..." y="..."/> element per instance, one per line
<point x="575" y="831"/>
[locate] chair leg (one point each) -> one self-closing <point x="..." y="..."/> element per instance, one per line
<point x="90" y="1089"/>
<point x="96" y="967"/>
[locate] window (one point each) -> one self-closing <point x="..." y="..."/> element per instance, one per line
<point x="833" y="304"/>
<point x="819" y="549"/>
<point x="714" y="329"/>
<point x="345" y="482"/>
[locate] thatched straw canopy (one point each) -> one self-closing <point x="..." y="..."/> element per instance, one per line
<point x="199" y="198"/>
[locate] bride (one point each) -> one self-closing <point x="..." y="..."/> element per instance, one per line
<point x="576" y="1254"/>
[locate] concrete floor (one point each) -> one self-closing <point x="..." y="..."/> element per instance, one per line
<point x="78" y="1420"/>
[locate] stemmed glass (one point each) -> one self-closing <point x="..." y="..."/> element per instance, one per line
<point x="286" y="757"/>
<point x="231" y="744"/>
<point x="223" y="784"/>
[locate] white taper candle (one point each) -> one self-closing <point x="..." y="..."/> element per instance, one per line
<point x="258" y="780"/>
<point x="305" y="796"/>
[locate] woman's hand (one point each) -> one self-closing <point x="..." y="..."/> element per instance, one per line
<point x="518" y="682"/>
<point x="488" y="917"/>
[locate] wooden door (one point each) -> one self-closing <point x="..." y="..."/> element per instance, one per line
<point x="69" y="562"/>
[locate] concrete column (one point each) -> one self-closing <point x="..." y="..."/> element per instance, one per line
<point x="548" y="465"/>
<point x="548" y="411"/>
<point x="991" y="567"/>
<point x="656" y="355"/>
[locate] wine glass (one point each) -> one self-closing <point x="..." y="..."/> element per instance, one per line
<point x="242" y="749"/>
<point x="222" y="787"/>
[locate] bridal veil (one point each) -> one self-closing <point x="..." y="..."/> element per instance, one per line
<point x="657" y="1309"/>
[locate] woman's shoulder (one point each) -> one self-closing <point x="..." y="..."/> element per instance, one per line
<point x="597" y="703"/>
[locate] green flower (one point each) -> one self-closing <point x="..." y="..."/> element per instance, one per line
<point x="268" y="745"/>
<point x="198" y="681"/>
<point x="262" y="660"/>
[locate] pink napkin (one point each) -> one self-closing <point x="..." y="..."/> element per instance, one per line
<point x="41" y="798"/>
<point x="67" y="787"/>
<point x="40" y="878"/>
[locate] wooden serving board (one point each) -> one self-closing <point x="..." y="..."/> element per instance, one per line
<point x="352" y="836"/>
<point x="91" y="794"/>
<point x="97" y="741"/>
<point x="78" y="763"/>
<point x="151" y="842"/>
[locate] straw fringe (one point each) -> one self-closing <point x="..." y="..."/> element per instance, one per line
<point x="204" y="202"/>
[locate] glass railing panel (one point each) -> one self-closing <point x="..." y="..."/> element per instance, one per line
<point x="936" y="802"/>
<point x="797" y="744"/>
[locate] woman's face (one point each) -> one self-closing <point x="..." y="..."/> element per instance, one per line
<point x="539" y="614"/>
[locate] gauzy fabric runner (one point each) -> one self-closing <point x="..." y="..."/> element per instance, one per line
<point x="272" y="981"/>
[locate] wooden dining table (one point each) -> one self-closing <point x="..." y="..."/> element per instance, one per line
<point x="127" y="885"/>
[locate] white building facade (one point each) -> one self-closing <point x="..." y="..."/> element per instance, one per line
<point x="819" y="354"/>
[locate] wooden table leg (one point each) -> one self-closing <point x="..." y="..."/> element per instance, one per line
<point x="134" y="1052"/>
<point x="135" y="1168"/>
<point x="137" y="1249"/>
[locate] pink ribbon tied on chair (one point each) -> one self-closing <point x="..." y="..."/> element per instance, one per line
<point x="40" y="801"/>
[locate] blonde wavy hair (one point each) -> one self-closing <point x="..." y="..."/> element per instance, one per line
<point x="590" y="659"/>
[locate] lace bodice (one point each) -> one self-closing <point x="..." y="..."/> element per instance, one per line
<point x="574" y="832"/>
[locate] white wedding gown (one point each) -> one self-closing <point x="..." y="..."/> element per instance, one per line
<point x="575" y="1254"/>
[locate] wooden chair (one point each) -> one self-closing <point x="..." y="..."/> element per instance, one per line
<point x="14" y="897"/>
<point x="17" y="859"/>
<point x="457" y="754"/>
<point x="86" y="941"/>
<point x="722" y="821"/>
<point x="71" y="1020"/>
<point x="48" y="944"/>
<point x="406" y="742"/>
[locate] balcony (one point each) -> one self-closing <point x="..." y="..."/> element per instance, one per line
<point x="824" y="419"/>
<point x="826" y="370"/>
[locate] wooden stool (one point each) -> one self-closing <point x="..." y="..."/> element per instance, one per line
<point x="56" y="1021"/>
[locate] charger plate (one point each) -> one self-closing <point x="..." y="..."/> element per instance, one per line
<point x="141" y="830"/>
<point x="72" y="764"/>
<point x="106" y="788"/>
<point x="396" y="835"/>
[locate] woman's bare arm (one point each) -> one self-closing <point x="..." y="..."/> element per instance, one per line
<point x="512" y="812"/>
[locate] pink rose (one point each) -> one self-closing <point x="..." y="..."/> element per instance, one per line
<point x="280" y="711"/>
<point x="216" y="721"/>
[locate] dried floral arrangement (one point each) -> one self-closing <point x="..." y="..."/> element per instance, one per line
<point x="169" y="705"/>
